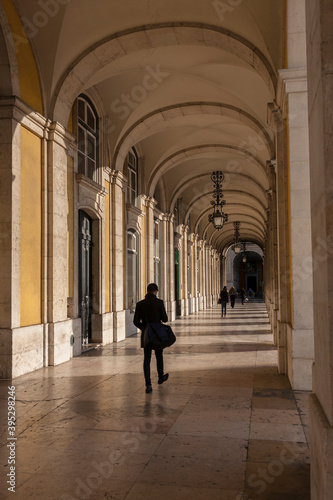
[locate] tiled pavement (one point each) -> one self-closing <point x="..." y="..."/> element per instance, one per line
<point x="224" y="426"/>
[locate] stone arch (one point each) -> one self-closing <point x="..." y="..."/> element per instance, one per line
<point x="169" y="162"/>
<point x="188" y="182"/>
<point x="134" y="132"/>
<point x="238" y="192"/>
<point x="205" y="213"/>
<point x="145" y="38"/>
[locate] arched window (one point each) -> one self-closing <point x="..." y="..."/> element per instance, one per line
<point x="132" y="174"/>
<point x="132" y="268"/>
<point x="87" y="138"/>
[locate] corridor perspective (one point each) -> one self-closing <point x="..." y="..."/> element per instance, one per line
<point x="225" y="426"/>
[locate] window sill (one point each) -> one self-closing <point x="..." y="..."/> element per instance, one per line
<point x="90" y="184"/>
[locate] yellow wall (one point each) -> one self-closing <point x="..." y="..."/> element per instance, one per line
<point x="70" y="228"/>
<point x="31" y="229"/>
<point x="107" y="249"/>
<point x="28" y="74"/>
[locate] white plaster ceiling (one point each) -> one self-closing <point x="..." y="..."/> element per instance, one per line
<point x="199" y="81"/>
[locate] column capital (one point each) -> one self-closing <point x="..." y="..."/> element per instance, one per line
<point x="177" y="238"/>
<point x="290" y="81"/>
<point x="168" y="217"/>
<point x="274" y="114"/>
<point x="271" y="165"/>
<point x="118" y="178"/>
<point x="194" y="237"/>
<point x="201" y="244"/>
<point x="149" y="201"/>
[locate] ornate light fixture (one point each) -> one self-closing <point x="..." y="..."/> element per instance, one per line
<point x="237" y="246"/>
<point x="217" y="218"/>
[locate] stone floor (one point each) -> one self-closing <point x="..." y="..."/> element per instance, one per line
<point x="224" y="426"/>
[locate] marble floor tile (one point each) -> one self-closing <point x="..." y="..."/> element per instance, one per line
<point x="277" y="432"/>
<point x="204" y="447"/>
<point x="193" y="472"/>
<point x="285" y="451"/>
<point x="276" y="480"/>
<point x="145" y="491"/>
<point x="225" y="426"/>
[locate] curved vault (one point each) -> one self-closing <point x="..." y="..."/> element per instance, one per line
<point x="208" y="114"/>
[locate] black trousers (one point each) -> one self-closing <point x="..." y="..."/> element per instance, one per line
<point x="232" y="300"/>
<point x="146" y="364"/>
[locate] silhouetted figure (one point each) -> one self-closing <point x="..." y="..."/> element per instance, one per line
<point x="224" y="300"/>
<point x="232" y="295"/>
<point x="151" y="310"/>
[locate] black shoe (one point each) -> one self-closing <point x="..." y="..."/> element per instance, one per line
<point x="149" y="389"/>
<point x="163" y="379"/>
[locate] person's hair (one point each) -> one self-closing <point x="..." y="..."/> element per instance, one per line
<point x="152" y="287"/>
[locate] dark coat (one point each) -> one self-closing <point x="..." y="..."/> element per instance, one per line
<point x="150" y="309"/>
<point x="224" y="296"/>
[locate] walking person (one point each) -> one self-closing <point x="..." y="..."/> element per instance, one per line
<point x="151" y="310"/>
<point x="242" y="294"/>
<point x="232" y="295"/>
<point x="250" y="293"/>
<point x="224" y="296"/>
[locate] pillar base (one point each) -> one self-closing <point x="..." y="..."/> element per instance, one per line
<point x="22" y="351"/>
<point x="300" y="351"/>
<point x="170" y="307"/>
<point x="102" y="328"/>
<point x="321" y="452"/>
<point x="59" y="340"/>
<point x="119" y="326"/>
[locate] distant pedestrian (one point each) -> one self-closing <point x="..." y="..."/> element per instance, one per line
<point x="224" y="296"/>
<point x="242" y="295"/>
<point x="250" y="293"/>
<point x="232" y="295"/>
<point x="151" y="310"/>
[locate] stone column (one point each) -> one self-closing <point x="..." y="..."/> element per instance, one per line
<point x="224" y="271"/>
<point x="10" y="193"/>
<point x="60" y="329"/>
<point x="319" y="14"/>
<point x="203" y="274"/>
<point x="272" y="228"/>
<point x="190" y="285"/>
<point x="150" y="204"/>
<point x="169" y="266"/>
<point x="195" y="290"/>
<point x="278" y="121"/>
<point x="184" y="233"/>
<point x="208" y="266"/>
<point x="294" y="99"/>
<point x="118" y="185"/>
<point x="214" y="276"/>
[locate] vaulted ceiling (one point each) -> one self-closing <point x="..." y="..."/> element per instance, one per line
<point x="187" y="82"/>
